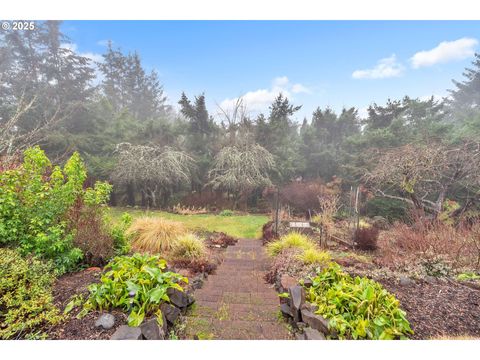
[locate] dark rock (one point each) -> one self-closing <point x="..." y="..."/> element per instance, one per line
<point x="405" y="281"/>
<point x="105" y="321"/>
<point x="309" y="306"/>
<point x="285" y="309"/>
<point x="301" y="325"/>
<point x="151" y="330"/>
<point x="286" y="281"/>
<point x="126" y="332"/>
<point x="300" y="336"/>
<point x="197" y="283"/>
<point x="297" y="299"/>
<point x="312" y="334"/>
<point x="307" y="283"/>
<point x="170" y="312"/>
<point x="315" y="321"/>
<point x="178" y="298"/>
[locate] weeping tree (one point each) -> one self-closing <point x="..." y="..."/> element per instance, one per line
<point x="156" y="171"/>
<point x="427" y="175"/>
<point x="240" y="169"/>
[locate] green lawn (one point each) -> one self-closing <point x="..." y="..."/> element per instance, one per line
<point x="242" y="226"/>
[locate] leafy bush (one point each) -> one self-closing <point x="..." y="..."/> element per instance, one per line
<point x="26" y="301"/>
<point x="226" y="212"/>
<point x="366" y="238"/>
<point x="35" y="199"/>
<point x="142" y="276"/>
<point x="391" y="209"/>
<point x="291" y="240"/>
<point x="357" y="308"/>
<point x="155" y="234"/>
<point x="189" y="246"/>
<point x="314" y="256"/>
<point x="118" y="231"/>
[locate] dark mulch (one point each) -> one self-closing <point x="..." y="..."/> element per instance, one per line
<point x="80" y="329"/>
<point x="441" y="309"/>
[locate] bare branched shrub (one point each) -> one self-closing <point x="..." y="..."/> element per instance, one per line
<point x="329" y="206"/>
<point x="459" y="245"/>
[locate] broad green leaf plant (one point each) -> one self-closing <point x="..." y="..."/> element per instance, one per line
<point x="357" y="308"/>
<point x="136" y="284"/>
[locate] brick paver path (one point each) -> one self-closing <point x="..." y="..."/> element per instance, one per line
<point x="236" y="302"/>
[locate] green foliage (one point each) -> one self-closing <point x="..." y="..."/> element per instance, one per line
<point x="467" y="276"/>
<point x="226" y="212"/>
<point x="436" y="267"/>
<point x="118" y="231"/>
<point x="26" y="300"/>
<point x="314" y="256"/>
<point x="390" y="209"/>
<point x="141" y="275"/>
<point x="34" y="201"/>
<point x="189" y="246"/>
<point x="357" y="308"/>
<point x="291" y="240"/>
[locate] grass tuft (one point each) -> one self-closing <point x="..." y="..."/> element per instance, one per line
<point x="189" y="246"/>
<point x="155" y="234"/>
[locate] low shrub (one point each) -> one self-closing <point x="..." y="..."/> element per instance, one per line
<point x="222" y="239"/>
<point x="201" y="265"/>
<point x="314" y="256"/>
<point x="226" y="212"/>
<point x="357" y="308"/>
<point x="458" y="245"/>
<point x="189" y="246"/>
<point x="118" y="231"/>
<point x="291" y="240"/>
<point x="142" y="276"/>
<point x="366" y="238"/>
<point x="36" y="199"/>
<point x="391" y="209"/>
<point x="26" y="302"/>
<point x="155" y="234"/>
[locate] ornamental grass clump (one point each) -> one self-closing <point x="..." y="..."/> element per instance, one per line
<point x="289" y="241"/>
<point x="155" y="234"/>
<point x="357" y="308"/>
<point x="189" y="246"/>
<point x="136" y="284"/>
<point x="314" y="256"/>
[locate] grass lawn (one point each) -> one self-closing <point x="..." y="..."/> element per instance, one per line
<point x="241" y="226"/>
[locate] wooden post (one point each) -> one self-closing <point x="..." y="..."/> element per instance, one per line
<point x="276" y="211"/>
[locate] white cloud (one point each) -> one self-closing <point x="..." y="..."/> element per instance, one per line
<point x="259" y="100"/>
<point x="385" y="68"/>
<point x="446" y="51"/>
<point x="73" y="47"/>
<point x="299" y="88"/>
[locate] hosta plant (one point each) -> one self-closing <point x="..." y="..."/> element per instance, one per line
<point x="357" y="308"/>
<point x="136" y="284"/>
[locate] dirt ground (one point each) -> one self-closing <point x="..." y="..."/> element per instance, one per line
<point x="80" y="329"/>
<point x="439" y="310"/>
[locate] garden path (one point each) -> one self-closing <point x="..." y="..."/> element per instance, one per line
<point x="236" y="302"/>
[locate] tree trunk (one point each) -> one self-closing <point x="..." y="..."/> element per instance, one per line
<point x="131" y="194"/>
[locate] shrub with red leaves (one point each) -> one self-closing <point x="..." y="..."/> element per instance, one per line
<point x="366" y="238"/>
<point x="222" y="239"/>
<point x="195" y="266"/>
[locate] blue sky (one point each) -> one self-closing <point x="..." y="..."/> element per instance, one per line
<point x="315" y="63"/>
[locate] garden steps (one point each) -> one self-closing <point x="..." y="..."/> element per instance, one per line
<point x="236" y="302"/>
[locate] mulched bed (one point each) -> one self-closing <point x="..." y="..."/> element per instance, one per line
<point x="441" y="309"/>
<point x="80" y="329"/>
